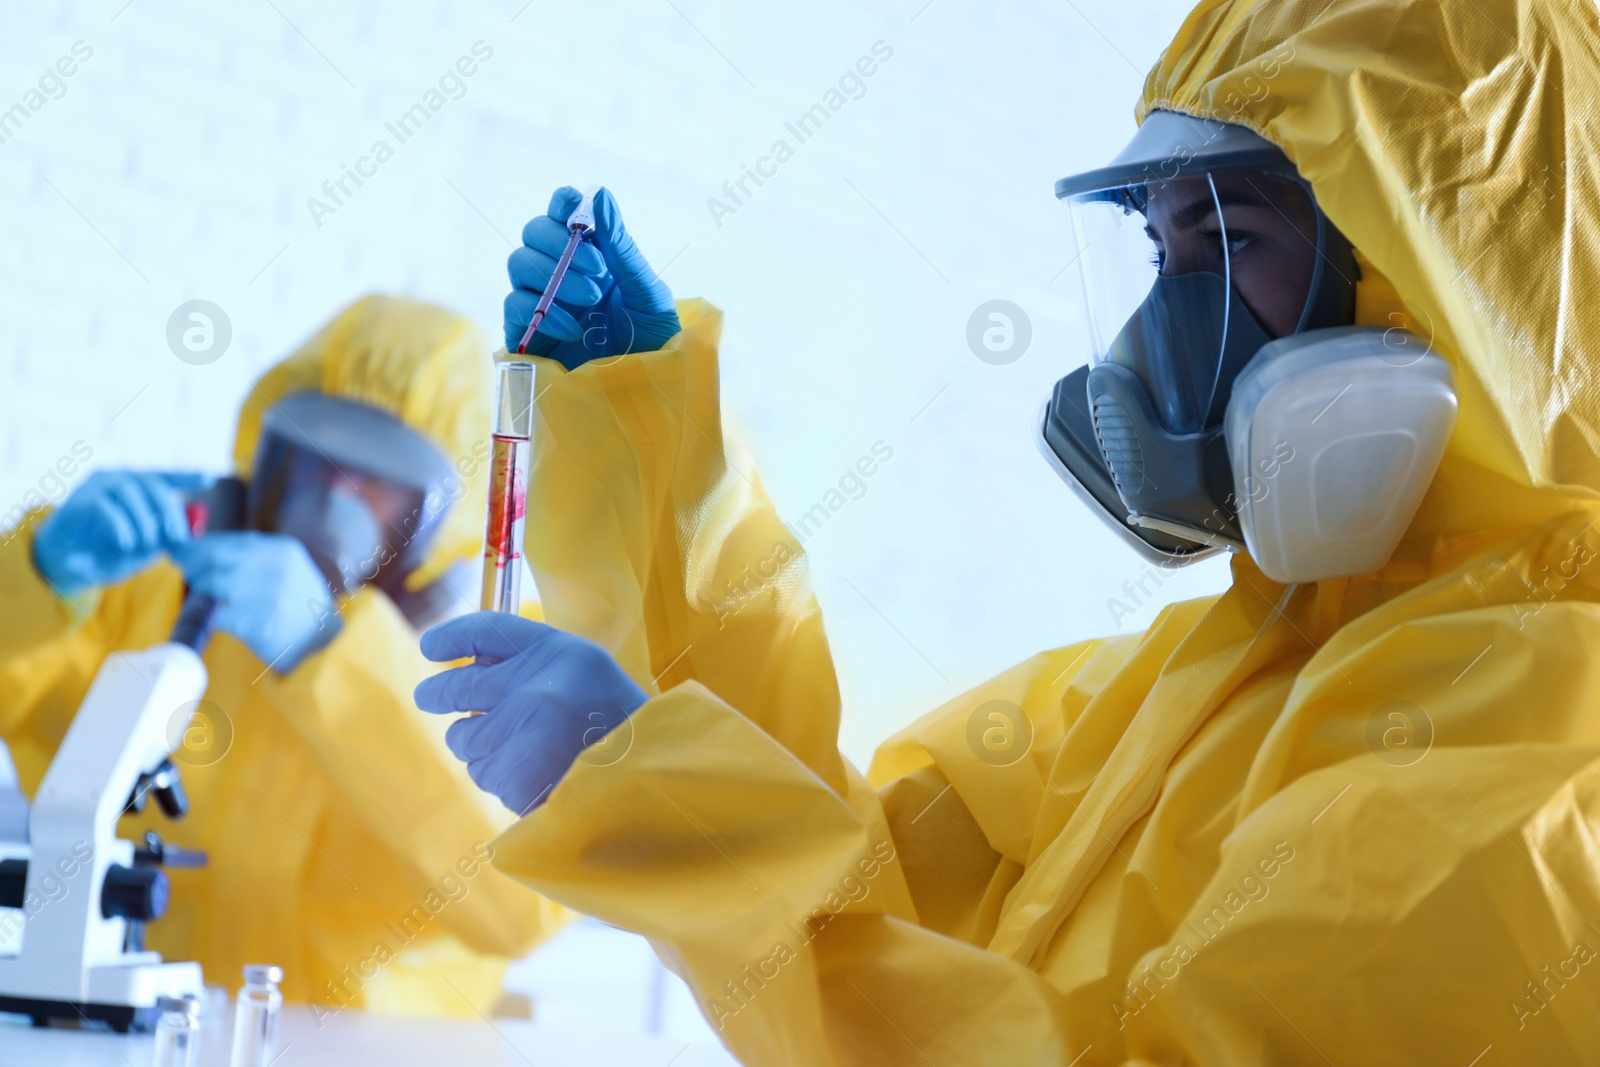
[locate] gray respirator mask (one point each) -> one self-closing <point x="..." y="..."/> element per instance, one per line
<point x="1230" y="404"/>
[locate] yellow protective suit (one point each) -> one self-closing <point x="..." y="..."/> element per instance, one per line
<point x="346" y="844"/>
<point x="1355" y="822"/>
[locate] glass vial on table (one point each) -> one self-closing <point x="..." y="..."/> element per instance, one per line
<point x="255" y="1019"/>
<point x="177" y="1032"/>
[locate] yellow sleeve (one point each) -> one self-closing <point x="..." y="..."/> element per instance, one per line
<point x="794" y="912"/>
<point x="32" y="614"/>
<point x="644" y="537"/>
<point x="51" y="646"/>
<point x="817" y="920"/>
<point x="351" y="704"/>
<point x="40" y="677"/>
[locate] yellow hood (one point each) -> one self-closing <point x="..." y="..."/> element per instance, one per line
<point x="1451" y="144"/>
<point x="426" y="366"/>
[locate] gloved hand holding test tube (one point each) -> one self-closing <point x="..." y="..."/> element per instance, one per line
<point x="513" y="429"/>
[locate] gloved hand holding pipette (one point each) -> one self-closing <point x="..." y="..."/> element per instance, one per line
<point x="610" y="301"/>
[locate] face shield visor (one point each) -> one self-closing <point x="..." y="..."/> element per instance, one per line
<point x="363" y="492"/>
<point x="1184" y="280"/>
<point x="1194" y="252"/>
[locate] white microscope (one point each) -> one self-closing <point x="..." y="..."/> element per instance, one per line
<point x="74" y="897"/>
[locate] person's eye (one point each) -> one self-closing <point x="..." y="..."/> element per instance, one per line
<point x="1157" y="258"/>
<point x="1238" y="240"/>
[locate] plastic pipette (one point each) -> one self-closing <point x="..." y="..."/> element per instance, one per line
<point x="580" y="228"/>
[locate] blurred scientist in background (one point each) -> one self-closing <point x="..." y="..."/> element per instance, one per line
<point x="345" y="843"/>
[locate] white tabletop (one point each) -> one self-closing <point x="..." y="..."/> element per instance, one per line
<point x="355" y="1038"/>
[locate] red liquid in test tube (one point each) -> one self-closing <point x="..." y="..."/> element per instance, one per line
<point x="508" y="489"/>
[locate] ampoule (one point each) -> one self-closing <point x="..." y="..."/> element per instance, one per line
<point x="177" y="1032"/>
<point x="255" y="1019"/>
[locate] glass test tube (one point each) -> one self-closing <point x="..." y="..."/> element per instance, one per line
<point x="508" y="488"/>
<point x="255" y="1019"/>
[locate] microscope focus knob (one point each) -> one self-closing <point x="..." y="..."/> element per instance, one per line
<point x="137" y="893"/>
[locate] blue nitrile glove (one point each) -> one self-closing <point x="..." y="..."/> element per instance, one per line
<point x="274" y="598"/>
<point x="609" y="303"/>
<point x="545" y="695"/>
<point x="113" y="525"/>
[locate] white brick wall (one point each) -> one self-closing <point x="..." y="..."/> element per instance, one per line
<point x="192" y="138"/>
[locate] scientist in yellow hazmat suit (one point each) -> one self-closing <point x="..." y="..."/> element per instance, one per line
<point x="344" y="842"/>
<point x="1346" y="812"/>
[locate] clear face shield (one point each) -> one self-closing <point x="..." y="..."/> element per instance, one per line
<point x="358" y="527"/>
<point x="1185" y="279"/>
<point x="1196" y="247"/>
<point x="364" y="493"/>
